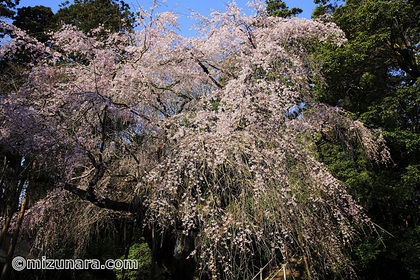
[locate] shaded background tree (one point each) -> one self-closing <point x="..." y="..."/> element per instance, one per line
<point x="277" y="8"/>
<point x="375" y="76"/>
<point x="90" y="14"/>
<point x="37" y="21"/>
<point x="6" y="8"/>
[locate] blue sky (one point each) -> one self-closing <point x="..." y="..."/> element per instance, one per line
<point x="182" y="7"/>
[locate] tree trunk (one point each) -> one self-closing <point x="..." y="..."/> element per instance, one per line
<point x="9" y="217"/>
<point x="153" y="268"/>
<point x="6" y="269"/>
<point x="305" y="260"/>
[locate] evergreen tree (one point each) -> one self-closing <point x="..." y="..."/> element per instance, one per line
<point x="375" y="77"/>
<point x="37" y="21"/>
<point x="278" y="8"/>
<point x="90" y="14"/>
<point x="6" y="8"/>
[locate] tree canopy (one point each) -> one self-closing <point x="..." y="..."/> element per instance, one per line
<point x="37" y="21"/>
<point x="278" y="8"/>
<point x="6" y="7"/>
<point x="237" y="148"/>
<point x="90" y="14"/>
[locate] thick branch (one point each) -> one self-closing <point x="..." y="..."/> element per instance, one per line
<point x="206" y="70"/>
<point x="100" y="202"/>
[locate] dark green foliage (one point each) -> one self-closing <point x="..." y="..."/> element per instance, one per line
<point x="375" y="76"/>
<point x="6" y="8"/>
<point x="36" y="21"/>
<point x="90" y="14"/>
<point x="278" y="8"/>
<point x="140" y="252"/>
<point x="327" y="5"/>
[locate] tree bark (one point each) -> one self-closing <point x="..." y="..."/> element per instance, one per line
<point x="9" y="217"/>
<point x="6" y="269"/>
